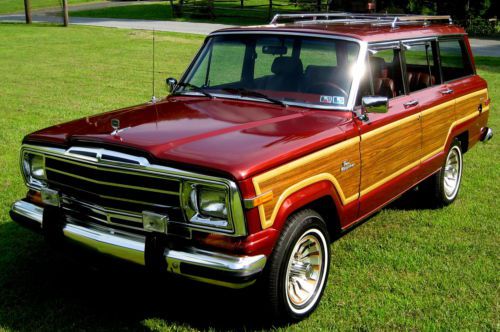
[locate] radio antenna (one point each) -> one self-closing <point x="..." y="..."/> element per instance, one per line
<point x="153" y="98"/>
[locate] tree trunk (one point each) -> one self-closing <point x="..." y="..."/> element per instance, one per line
<point x="27" y="11"/>
<point x="65" y="13"/>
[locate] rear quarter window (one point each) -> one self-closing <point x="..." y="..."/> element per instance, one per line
<point x="455" y="60"/>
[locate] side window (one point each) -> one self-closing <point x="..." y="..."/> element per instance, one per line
<point x="421" y="70"/>
<point x="384" y="77"/>
<point x="455" y="62"/>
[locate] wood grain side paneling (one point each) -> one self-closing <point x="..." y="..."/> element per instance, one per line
<point x="388" y="150"/>
<point x="438" y="121"/>
<point x="468" y="104"/>
<point x="324" y="165"/>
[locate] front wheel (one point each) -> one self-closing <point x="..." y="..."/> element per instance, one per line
<point x="298" y="268"/>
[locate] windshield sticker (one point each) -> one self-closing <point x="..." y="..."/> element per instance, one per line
<point x="332" y="100"/>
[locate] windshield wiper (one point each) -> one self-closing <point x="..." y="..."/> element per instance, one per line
<point x="251" y="93"/>
<point x="196" y="89"/>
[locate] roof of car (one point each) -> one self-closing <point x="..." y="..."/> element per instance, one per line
<point x="369" y="28"/>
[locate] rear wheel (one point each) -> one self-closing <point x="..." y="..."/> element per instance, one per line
<point x="442" y="188"/>
<point x="297" y="270"/>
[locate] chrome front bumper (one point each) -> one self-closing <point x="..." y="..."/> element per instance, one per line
<point x="207" y="266"/>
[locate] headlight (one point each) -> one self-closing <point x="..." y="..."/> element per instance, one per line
<point x="212" y="203"/>
<point x="33" y="166"/>
<point x="207" y="205"/>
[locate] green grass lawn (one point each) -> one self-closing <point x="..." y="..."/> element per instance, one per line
<point x="12" y="6"/>
<point x="226" y="13"/>
<point x="407" y="268"/>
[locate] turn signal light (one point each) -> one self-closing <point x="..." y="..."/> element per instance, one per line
<point x="258" y="200"/>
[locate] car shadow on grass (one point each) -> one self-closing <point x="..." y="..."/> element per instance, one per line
<point x="68" y="288"/>
<point x="42" y="288"/>
<point x="413" y="199"/>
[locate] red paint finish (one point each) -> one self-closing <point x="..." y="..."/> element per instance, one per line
<point x="260" y="243"/>
<point x="238" y="138"/>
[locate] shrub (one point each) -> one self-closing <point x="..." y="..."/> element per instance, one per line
<point x="478" y="26"/>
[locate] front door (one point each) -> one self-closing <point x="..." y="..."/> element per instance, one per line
<point x="390" y="142"/>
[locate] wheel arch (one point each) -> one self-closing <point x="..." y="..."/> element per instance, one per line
<point x="463" y="138"/>
<point x="321" y="197"/>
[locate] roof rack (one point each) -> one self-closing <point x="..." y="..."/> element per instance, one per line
<point x="352" y="18"/>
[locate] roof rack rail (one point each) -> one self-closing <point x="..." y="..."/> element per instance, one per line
<point x="352" y="18"/>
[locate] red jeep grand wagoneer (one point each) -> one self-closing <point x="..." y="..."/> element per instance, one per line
<point x="276" y="138"/>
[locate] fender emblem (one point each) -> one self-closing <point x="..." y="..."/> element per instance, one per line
<point x="346" y="165"/>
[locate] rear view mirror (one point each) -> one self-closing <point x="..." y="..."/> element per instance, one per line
<point x="375" y="104"/>
<point x="274" y="49"/>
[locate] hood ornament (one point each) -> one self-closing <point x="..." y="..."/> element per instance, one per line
<point x="115" y="124"/>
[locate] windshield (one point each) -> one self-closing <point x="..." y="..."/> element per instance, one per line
<point x="281" y="68"/>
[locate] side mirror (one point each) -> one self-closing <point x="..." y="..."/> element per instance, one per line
<point x="171" y="83"/>
<point x="375" y="104"/>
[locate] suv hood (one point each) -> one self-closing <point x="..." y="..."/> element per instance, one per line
<point x="240" y="138"/>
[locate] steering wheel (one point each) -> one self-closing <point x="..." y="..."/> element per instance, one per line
<point x="327" y="88"/>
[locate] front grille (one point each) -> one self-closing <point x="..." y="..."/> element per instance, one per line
<point x="112" y="195"/>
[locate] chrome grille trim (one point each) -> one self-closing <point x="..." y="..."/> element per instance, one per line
<point x="146" y="170"/>
<point x="112" y="184"/>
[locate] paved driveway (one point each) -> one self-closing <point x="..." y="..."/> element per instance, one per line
<point x="481" y="47"/>
<point x="172" y="26"/>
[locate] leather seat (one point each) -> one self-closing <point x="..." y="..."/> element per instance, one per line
<point x="379" y="67"/>
<point x="382" y="84"/>
<point x="419" y="80"/>
<point x="288" y="73"/>
<point x="384" y="87"/>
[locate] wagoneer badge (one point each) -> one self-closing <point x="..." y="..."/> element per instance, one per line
<point x="346" y="165"/>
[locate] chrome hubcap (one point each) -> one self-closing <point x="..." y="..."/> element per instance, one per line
<point x="452" y="173"/>
<point x="304" y="270"/>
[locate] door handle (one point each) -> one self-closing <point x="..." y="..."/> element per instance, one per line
<point x="446" y="92"/>
<point x="411" y="103"/>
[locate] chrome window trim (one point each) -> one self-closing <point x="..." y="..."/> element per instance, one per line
<point x="236" y="206"/>
<point x="354" y="84"/>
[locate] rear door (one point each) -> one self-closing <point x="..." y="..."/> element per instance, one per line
<point x="436" y="100"/>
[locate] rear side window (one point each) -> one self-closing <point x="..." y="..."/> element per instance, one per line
<point x="420" y="67"/>
<point x="455" y="62"/>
